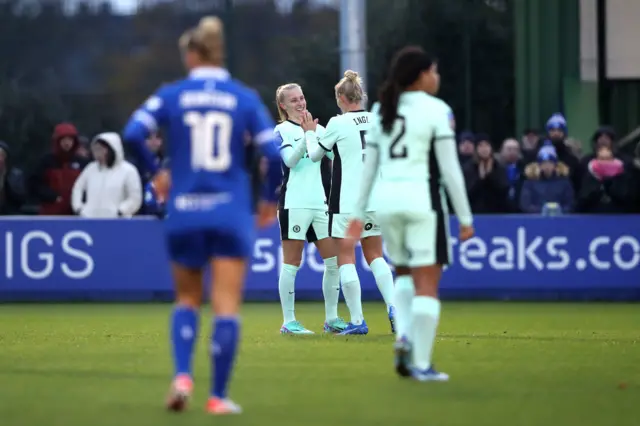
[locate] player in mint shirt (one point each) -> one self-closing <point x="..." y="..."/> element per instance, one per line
<point x="207" y="117"/>
<point x="303" y="213"/>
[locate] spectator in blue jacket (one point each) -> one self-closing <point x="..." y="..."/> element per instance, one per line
<point x="557" y="132"/>
<point x="547" y="186"/>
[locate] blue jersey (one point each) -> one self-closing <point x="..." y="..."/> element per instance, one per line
<point x="208" y="118"/>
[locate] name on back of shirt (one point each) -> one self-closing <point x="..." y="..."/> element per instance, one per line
<point x="363" y="119"/>
<point x="209" y="98"/>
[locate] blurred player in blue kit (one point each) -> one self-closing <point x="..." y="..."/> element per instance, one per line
<point x="207" y="117"/>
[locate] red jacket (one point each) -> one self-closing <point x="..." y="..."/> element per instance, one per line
<point x="53" y="180"/>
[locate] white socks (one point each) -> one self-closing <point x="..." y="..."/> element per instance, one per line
<point x="286" y="287"/>
<point x="384" y="279"/>
<point x="331" y="288"/>
<point x="352" y="292"/>
<point x="402" y="301"/>
<point x="426" y="314"/>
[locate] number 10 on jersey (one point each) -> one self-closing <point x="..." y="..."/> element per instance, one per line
<point x="210" y="140"/>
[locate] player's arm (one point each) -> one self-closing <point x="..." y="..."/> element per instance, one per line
<point x="369" y="174"/>
<point x="261" y="130"/>
<point x="320" y="144"/>
<point x="145" y="121"/>
<point x="320" y="131"/>
<point x="447" y="157"/>
<point x="290" y="150"/>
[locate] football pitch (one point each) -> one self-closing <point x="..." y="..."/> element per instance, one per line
<point x="510" y="364"/>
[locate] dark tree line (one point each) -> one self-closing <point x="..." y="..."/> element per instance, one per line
<point x="93" y="67"/>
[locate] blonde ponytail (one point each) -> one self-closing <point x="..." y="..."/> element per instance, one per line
<point x="206" y="39"/>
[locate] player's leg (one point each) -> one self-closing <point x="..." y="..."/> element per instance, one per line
<point x="293" y="227"/>
<point x="319" y="235"/>
<point x="393" y="232"/>
<point x="229" y="251"/>
<point x="186" y="252"/>
<point x="351" y="289"/>
<point x="427" y="242"/>
<point x="372" y="249"/>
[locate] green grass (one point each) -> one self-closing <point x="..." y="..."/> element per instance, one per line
<point x="511" y="364"/>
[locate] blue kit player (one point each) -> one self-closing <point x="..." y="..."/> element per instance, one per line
<point x="207" y="118"/>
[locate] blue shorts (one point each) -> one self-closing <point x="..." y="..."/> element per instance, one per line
<point x="194" y="248"/>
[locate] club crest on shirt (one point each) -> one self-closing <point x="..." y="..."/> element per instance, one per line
<point x="296" y="228"/>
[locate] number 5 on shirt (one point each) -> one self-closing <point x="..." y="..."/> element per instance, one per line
<point x="210" y="140"/>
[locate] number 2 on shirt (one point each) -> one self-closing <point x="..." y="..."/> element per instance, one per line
<point x="398" y="148"/>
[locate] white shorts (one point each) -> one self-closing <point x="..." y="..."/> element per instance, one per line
<point x="303" y="224"/>
<point x="338" y="223"/>
<point x="416" y="239"/>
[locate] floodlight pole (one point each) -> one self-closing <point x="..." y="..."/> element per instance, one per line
<point x="353" y="37"/>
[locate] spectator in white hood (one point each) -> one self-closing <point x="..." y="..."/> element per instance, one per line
<point x="111" y="184"/>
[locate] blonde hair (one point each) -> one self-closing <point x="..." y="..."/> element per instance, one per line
<point x="282" y="113"/>
<point x="206" y="39"/>
<point x="351" y="87"/>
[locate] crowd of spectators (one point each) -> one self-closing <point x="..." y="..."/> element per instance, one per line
<point x="77" y="177"/>
<point x="542" y="173"/>
<point x="546" y="173"/>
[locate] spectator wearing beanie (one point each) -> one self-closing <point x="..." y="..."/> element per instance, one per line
<point x="556" y="128"/>
<point x="547" y="184"/>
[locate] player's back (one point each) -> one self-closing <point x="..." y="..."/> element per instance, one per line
<point x="207" y="123"/>
<point x="349" y="130"/>
<point x="409" y="178"/>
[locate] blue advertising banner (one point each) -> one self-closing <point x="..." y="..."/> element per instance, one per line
<point x="576" y="257"/>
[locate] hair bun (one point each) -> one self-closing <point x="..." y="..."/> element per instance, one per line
<point x="210" y="24"/>
<point x="351" y="75"/>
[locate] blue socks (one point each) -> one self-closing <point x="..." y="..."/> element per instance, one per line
<point x="184" y="333"/>
<point x="224" y="343"/>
